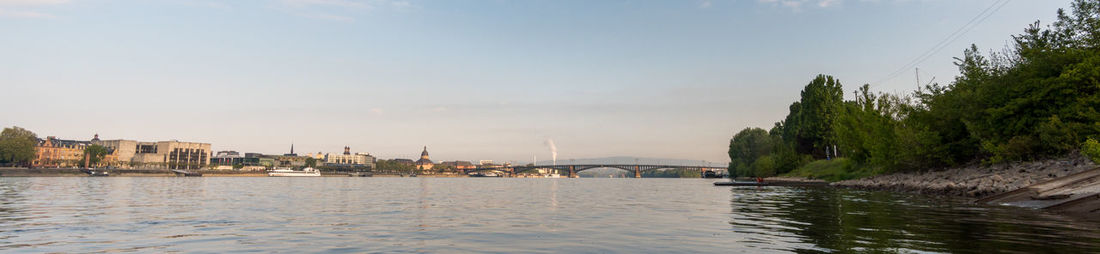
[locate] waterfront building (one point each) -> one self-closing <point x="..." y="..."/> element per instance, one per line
<point x="233" y="160"/>
<point x="291" y="161"/>
<point x="349" y="160"/>
<point x="458" y="165"/>
<point x="424" y="163"/>
<point x="406" y="162"/>
<point x="53" y="152"/>
<point x="171" y="154"/>
<point x="61" y="153"/>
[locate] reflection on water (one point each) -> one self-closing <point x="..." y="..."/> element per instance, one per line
<point x="503" y="215"/>
<point x="830" y="220"/>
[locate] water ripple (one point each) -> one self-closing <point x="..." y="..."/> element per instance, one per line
<point x="405" y="215"/>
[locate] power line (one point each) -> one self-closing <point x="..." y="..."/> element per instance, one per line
<point x="965" y="28"/>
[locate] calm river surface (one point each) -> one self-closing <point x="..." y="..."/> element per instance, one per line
<point x="337" y="214"/>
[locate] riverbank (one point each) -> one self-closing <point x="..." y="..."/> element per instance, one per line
<point x="975" y="181"/>
<point x="71" y="172"/>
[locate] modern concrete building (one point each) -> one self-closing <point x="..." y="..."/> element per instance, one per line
<point x="161" y="154"/>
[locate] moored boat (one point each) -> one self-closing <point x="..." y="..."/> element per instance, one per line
<point x="308" y="171"/>
<point x="94" y="172"/>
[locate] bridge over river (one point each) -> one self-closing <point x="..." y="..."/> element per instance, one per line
<point x="573" y="169"/>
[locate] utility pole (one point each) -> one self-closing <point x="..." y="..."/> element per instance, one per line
<point x="917" y="72"/>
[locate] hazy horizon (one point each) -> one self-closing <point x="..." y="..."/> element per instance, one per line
<point x="471" y="80"/>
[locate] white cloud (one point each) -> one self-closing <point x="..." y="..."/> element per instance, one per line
<point x="705" y="4"/>
<point x="798" y="5"/>
<point x="32" y="2"/>
<point x="337" y="3"/>
<point x="24" y="8"/>
<point x="337" y="10"/>
<point x="23" y="14"/>
<point x="324" y="16"/>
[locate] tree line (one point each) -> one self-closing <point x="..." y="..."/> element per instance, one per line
<point x="1036" y="98"/>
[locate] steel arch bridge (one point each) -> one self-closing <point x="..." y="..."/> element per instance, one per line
<point x="573" y="169"/>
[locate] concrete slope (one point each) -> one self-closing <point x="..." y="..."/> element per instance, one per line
<point x="1076" y="193"/>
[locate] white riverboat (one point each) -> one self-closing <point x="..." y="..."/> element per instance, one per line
<point x="290" y="172"/>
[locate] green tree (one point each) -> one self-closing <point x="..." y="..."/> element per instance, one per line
<point x="95" y="154"/>
<point x="809" y="125"/>
<point x="747" y="146"/>
<point x="311" y="162"/>
<point x="17" y="146"/>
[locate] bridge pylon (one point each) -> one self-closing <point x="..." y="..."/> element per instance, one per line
<point x="572" y="172"/>
<point x="637" y="172"/>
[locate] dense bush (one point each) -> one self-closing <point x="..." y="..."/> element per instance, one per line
<point x="1091" y="149"/>
<point x="1037" y="98"/>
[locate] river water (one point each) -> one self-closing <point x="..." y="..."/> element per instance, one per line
<point x="337" y="214"/>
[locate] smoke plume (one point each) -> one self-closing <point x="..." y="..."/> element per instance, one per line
<point x="553" y="150"/>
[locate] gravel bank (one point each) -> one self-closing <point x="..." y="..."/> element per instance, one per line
<point x="975" y="181"/>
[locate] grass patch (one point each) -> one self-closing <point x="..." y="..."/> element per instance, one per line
<point x="831" y="170"/>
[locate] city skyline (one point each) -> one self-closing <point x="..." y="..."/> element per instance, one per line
<point x="470" y="80"/>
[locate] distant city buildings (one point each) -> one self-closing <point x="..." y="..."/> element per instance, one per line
<point x="173" y="154"/>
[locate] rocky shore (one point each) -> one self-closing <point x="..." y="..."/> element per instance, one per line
<point x="975" y="181"/>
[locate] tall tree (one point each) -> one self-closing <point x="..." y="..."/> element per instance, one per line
<point x="821" y="102"/>
<point x="95" y="154"/>
<point x="17" y="145"/>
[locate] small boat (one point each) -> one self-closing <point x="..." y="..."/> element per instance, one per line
<point x="308" y="171"/>
<point x="180" y="172"/>
<point x="740" y="183"/>
<point x="93" y="172"/>
<point x="360" y="174"/>
<point x="554" y="175"/>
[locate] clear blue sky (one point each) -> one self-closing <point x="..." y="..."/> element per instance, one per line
<point x="469" y="79"/>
